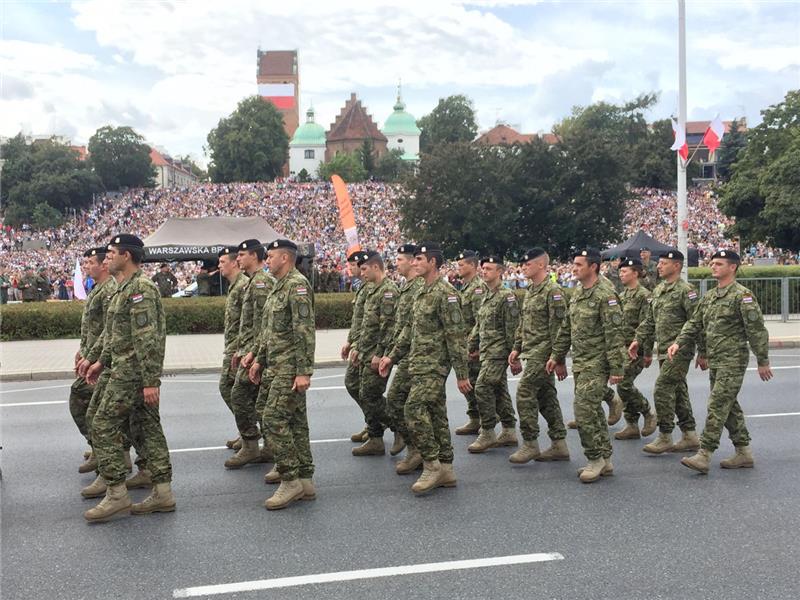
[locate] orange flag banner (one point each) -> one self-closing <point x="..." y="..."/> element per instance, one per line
<point x="346" y="216"/>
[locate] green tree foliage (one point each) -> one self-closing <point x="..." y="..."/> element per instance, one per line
<point x="44" y="216"/>
<point x="121" y="158"/>
<point x="392" y="168"/>
<point x="452" y="120"/>
<point x="249" y="145"/>
<point x="655" y="164"/>
<point x="367" y="155"/>
<point x="188" y="162"/>
<point x="763" y="194"/>
<point x="349" y="167"/>
<point x="728" y="151"/>
<point x="303" y="176"/>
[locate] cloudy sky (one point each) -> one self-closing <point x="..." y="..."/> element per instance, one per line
<point x="173" y="69"/>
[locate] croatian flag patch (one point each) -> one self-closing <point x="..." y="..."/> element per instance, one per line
<point x="478" y="290"/>
<point x="137" y="298"/>
<point x="388" y="295"/>
<point x="747" y="299"/>
<point x="692" y="295"/>
<point x="260" y="285"/>
<point x="301" y="291"/>
<point x="612" y="301"/>
<point x="452" y="299"/>
<point x="557" y="296"/>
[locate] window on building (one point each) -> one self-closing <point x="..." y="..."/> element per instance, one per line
<point x="399" y="141"/>
<point x="309" y="154"/>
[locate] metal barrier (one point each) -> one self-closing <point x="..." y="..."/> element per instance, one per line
<point x="779" y="297"/>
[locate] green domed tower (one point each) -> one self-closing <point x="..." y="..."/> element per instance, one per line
<point x="307" y="147"/>
<point x="401" y="130"/>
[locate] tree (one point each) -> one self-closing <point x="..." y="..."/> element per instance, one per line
<point x="303" y="176"/>
<point x="44" y="216"/>
<point x="392" y="168"/>
<point x="367" y="155"/>
<point x="452" y="120"/>
<point x="188" y="162"/>
<point x="655" y="165"/>
<point x="121" y="158"/>
<point x="249" y="145"/>
<point x="347" y="166"/>
<point x="763" y="193"/>
<point x="729" y="149"/>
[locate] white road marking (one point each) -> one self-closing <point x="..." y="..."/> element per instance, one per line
<point x="35" y="389"/>
<point x="205" y="448"/>
<point x="284" y="582"/>
<point x="764" y="415"/>
<point x="32" y="403"/>
<point x="776" y="368"/>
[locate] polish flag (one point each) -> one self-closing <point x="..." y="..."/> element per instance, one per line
<point x="280" y="94"/>
<point x="78" y="291"/>
<point x="713" y="135"/>
<point x="680" y="141"/>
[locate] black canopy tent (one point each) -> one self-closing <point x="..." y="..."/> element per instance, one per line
<point x="633" y="245"/>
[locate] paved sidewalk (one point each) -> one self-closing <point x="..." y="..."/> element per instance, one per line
<point x="52" y="359"/>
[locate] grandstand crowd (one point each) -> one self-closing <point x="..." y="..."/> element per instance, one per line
<point x="312" y="216"/>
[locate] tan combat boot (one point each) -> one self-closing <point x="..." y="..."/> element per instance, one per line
<point x="410" y="463"/>
<point x="288" y="492"/>
<point x="140" y="480"/>
<point x="663" y="443"/>
<point x="448" y="476"/>
<point x="527" y="452"/>
<point x="398" y="445"/>
<point x="231" y="443"/>
<point x="608" y="468"/>
<point x="89" y="465"/>
<point x="249" y="453"/>
<point x="237" y="445"/>
<point x="743" y="459"/>
<point x="471" y="427"/>
<point x="630" y="432"/>
<point x="309" y="491"/>
<point x="650" y="423"/>
<point x="687" y="443"/>
<point x="698" y="462"/>
<point x="273" y="476"/>
<point x="507" y="437"/>
<point x="361" y="436"/>
<point x="265" y="455"/>
<point x="557" y="451"/>
<point x="573" y="424"/>
<point x="160" y="499"/>
<point x="372" y="447"/>
<point x="592" y="471"/>
<point x="95" y="489"/>
<point x="430" y="479"/>
<point x="115" y="501"/>
<point x="485" y="441"/>
<point x="615" y="409"/>
<point x="87" y="454"/>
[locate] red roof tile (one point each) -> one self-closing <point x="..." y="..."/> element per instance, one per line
<point x="502" y="135"/>
<point x="354" y="123"/>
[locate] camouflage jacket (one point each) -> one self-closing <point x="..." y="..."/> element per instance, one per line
<point x="254" y="297"/>
<point x="377" y="325"/>
<point x="93" y="320"/>
<point x="543" y="310"/>
<point x="635" y="306"/>
<point x="434" y="339"/>
<point x="498" y="318"/>
<point x="651" y="275"/>
<point x="358" y="314"/>
<point x="29" y="284"/>
<point x="287" y="341"/>
<point x="671" y="305"/>
<point x="166" y="283"/>
<point x="405" y="306"/>
<point x="726" y="320"/>
<point x="233" y="313"/>
<point x="592" y="327"/>
<point x="472" y="296"/>
<point x="135" y="336"/>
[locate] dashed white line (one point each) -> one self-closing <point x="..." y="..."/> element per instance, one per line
<point x="206" y="448"/>
<point x="765" y="415"/>
<point x="11" y="404"/>
<point x="35" y="389"/>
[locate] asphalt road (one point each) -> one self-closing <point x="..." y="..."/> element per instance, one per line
<point x="653" y="530"/>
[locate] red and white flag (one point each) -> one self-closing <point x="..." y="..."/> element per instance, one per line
<point x="713" y="135"/>
<point x="680" y="141"/>
<point x="78" y="291"/>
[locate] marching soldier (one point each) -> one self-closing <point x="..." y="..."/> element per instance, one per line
<point x="491" y="341"/>
<point x="727" y="319"/>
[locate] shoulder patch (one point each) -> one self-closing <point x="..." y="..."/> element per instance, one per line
<point x="388" y="295"/>
<point x="692" y="295"/>
<point x="137" y="298"/>
<point x="558" y="297"/>
<point x="302" y="291"/>
<point x="478" y="290"/>
<point x="260" y="285"/>
<point x="747" y="299"/>
<point x="452" y="299"/>
<point x="612" y="301"/>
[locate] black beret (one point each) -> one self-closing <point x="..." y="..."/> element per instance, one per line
<point x="249" y="245"/>
<point x="672" y="255"/>
<point x="225" y="251"/>
<point x="427" y="248"/>
<point x="630" y="262"/>
<point x="727" y="254"/>
<point x="126" y="240"/>
<point x="407" y="249"/>
<point x="364" y="256"/>
<point x="94" y="252"/>
<point x="467" y="254"/>
<point x="644" y="249"/>
<point x="493" y="259"/>
<point x="533" y="253"/>
<point x="591" y="253"/>
<point x="354" y="256"/>
<point x="281" y="243"/>
<point x="162" y="265"/>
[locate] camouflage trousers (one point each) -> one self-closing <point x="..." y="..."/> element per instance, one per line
<point x="80" y="395"/>
<point x="536" y="394"/>
<point x="373" y="401"/>
<point x="352" y="382"/>
<point x="396" y="399"/>
<point x="491" y="390"/>
<point x="286" y="424"/>
<point x="426" y="418"/>
<point x="226" y="380"/>
<point x="671" y="395"/>
<point x="635" y="402"/>
<point x="243" y="403"/>
<point x="724" y="409"/>
<point x="128" y="433"/>
<point x="590" y="389"/>
<point x="473" y="412"/>
<point x="123" y="402"/>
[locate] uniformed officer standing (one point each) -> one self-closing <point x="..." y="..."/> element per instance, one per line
<point x="592" y="327"/>
<point x="286" y="357"/>
<point x="29" y="284"/>
<point x="727" y="319"/>
<point x="543" y="311"/>
<point x="491" y="341"/>
<point x="650" y="268"/>
<point x="635" y="306"/>
<point x="472" y="294"/>
<point x="134" y="351"/>
<point x="377" y="327"/>
<point x="165" y="280"/>
<point x="672" y="303"/>
<point x="229" y="268"/>
<point x="434" y="342"/>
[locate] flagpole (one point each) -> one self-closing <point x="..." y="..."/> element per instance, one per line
<point x="683" y="220"/>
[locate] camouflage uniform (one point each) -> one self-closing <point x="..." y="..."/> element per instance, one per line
<point x="377" y="328"/>
<point x="133" y="347"/>
<point x="29" y="284"/>
<point x="592" y="326"/>
<point x="166" y="283"/>
<point x="472" y="296"/>
<point x="671" y="305"/>
<point x="244" y="392"/>
<point x="635" y="306"/>
<point x="726" y="320"/>
<point x="286" y="348"/>
<point x="401" y="382"/>
<point x="613" y="277"/>
<point x="434" y="342"/>
<point x="352" y="376"/>
<point x="233" y="313"/>
<point x="543" y="310"/>
<point x="493" y="336"/>
<point x="650" y="269"/>
<point x="92" y="323"/>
